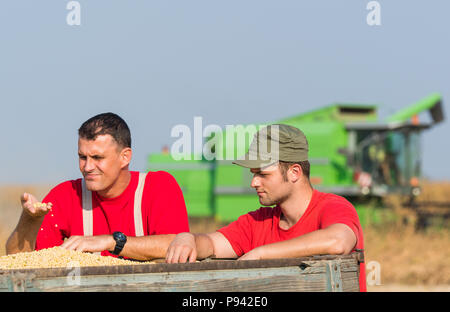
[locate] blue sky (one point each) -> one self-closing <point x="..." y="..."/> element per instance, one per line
<point x="161" y="63"/>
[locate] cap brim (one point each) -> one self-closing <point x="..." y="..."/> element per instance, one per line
<point x="254" y="163"/>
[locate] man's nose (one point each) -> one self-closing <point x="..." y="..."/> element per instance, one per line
<point x="255" y="182"/>
<point x="89" y="164"/>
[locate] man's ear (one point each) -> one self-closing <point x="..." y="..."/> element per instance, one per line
<point x="295" y="171"/>
<point x="125" y="156"/>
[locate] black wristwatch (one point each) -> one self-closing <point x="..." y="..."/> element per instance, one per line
<point x="120" y="239"/>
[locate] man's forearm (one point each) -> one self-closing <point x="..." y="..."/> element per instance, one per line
<point x="147" y="247"/>
<point x="306" y="245"/>
<point x="205" y="247"/>
<point x="325" y="241"/>
<point x="155" y="246"/>
<point x="23" y="238"/>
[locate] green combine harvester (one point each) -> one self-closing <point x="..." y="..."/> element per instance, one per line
<point x="351" y="152"/>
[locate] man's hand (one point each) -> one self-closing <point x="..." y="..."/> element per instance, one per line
<point x="254" y="254"/>
<point x="182" y="248"/>
<point x="90" y="243"/>
<point x="33" y="207"/>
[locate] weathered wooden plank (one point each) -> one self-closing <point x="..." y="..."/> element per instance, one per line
<point x="263" y="279"/>
<point x="320" y="273"/>
<point x="17" y="282"/>
<point x="350" y="281"/>
<point x="183" y="267"/>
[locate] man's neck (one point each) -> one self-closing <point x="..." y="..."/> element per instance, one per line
<point x="118" y="186"/>
<point x="295" y="206"/>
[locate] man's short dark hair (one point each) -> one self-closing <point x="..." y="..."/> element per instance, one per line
<point x="284" y="166"/>
<point x="106" y="123"/>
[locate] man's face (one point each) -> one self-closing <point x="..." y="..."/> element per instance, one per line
<point x="100" y="162"/>
<point x="270" y="186"/>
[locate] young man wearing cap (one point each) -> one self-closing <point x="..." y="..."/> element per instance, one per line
<point x="112" y="210"/>
<point x="304" y="221"/>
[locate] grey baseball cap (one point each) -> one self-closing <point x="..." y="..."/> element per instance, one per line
<point x="273" y="143"/>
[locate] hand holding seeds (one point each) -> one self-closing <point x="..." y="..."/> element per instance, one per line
<point x="33" y="207"/>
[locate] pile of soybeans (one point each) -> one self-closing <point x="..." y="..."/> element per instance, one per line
<point x="58" y="257"/>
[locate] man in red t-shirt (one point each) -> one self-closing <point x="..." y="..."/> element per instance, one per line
<point x="111" y="210"/>
<point x="304" y="221"/>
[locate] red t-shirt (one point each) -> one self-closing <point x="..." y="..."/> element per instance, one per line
<point x="163" y="210"/>
<point x="261" y="227"/>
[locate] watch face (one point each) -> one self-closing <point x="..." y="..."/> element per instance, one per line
<point x="119" y="236"/>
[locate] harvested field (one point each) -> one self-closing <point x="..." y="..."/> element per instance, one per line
<point x="412" y="259"/>
<point x="409" y="257"/>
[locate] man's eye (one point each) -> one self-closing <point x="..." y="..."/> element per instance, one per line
<point x="82" y="157"/>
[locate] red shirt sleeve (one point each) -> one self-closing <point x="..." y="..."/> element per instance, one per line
<point x="339" y="210"/>
<point x="167" y="213"/>
<point x="240" y="232"/>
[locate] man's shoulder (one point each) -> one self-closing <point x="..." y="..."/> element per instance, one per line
<point x="160" y="174"/>
<point x="159" y="178"/>
<point x="67" y="187"/>
<point x="327" y="198"/>
<point x="263" y="213"/>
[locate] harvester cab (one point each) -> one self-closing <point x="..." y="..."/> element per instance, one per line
<point x="386" y="156"/>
